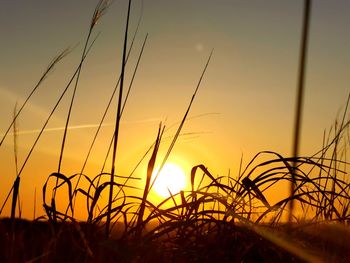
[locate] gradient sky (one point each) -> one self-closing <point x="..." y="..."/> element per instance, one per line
<point x="245" y="104"/>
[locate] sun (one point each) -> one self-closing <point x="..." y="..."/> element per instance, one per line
<point x="171" y="178"/>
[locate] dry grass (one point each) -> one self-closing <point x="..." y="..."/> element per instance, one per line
<point x="221" y="218"/>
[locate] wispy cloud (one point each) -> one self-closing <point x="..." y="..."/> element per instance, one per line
<point x="83" y="126"/>
<point x="76" y="127"/>
<point x="90" y="126"/>
<point x="8" y="99"/>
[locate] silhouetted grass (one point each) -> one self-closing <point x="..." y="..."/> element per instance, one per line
<point x="300" y="95"/>
<point x="227" y="218"/>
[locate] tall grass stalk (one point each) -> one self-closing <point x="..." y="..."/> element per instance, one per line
<point x="34" y="204"/>
<point x="107" y="108"/>
<point x="127" y="58"/>
<point x="121" y="113"/>
<point x="98" y="13"/>
<point x="15" y="138"/>
<point x="50" y="68"/>
<point x="45" y="124"/>
<point x="15" y="197"/>
<point x="117" y="123"/>
<point x="335" y="156"/>
<point x="150" y="169"/>
<point x="182" y="121"/>
<point x="111" y="98"/>
<point x="300" y="98"/>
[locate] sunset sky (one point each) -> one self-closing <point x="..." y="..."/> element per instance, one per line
<point x="245" y="103"/>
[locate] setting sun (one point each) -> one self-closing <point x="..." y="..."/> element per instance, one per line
<point x="170" y="179"/>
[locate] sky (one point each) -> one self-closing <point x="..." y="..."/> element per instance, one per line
<point x="245" y="103"/>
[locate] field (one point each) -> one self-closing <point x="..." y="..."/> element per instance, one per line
<point x="220" y="218"/>
<point x="45" y="242"/>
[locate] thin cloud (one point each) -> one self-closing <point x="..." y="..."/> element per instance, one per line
<point x="89" y="126"/>
<point x="77" y="127"/>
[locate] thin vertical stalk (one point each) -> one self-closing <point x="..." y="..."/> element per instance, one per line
<point x="105" y="113"/>
<point x="69" y="115"/>
<point x="150" y="169"/>
<point x="15" y="197"/>
<point x="117" y="124"/>
<point x="34" y="205"/>
<point x="107" y="108"/>
<point x="182" y="121"/>
<point x="72" y="102"/>
<point x="99" y="11"/>
<point x="300" y="97"/>
<point x="15" y="137"/>
<point x="50" y="68"/>
<point x="335" y="157"/>
<point x="44" y="126"/>
<point x="131" y="45"/>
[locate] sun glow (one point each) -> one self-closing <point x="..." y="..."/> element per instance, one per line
<point x="170" y="179"/>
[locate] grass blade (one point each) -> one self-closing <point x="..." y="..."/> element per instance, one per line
<point x="117" y="124"/>
<point x="300" y="96"/>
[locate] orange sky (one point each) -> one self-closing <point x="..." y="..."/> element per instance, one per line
<point x="245" y="103"/>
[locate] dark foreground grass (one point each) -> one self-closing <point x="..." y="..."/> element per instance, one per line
<point x="37" y="241"/>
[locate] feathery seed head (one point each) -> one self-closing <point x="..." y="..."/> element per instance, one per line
<point x="100" y="10"/>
